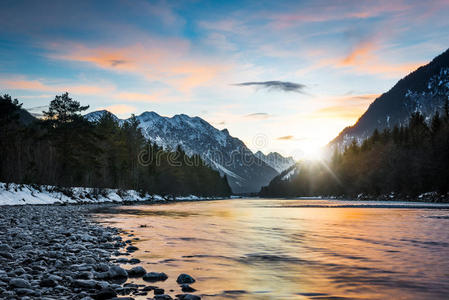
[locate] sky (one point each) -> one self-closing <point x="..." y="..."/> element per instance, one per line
<point x="282" y="76"/>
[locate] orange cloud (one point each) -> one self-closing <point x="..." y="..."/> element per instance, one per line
<point x="330" y="12"/>
<point x="364" y="59"/>
<point x="25" y="85"/>
<point x="285" y="138"/>
<point x="166" y="61"/>
<point x="35" y="85"/>
<point x="361" y="52"/>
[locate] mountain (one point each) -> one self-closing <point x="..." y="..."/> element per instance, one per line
<point x="425" y="90"/>
<point x="245" y="172"/>
<point x="25" y="117"/>
<point x="276" y="161"/>
<point x="97" y="115"/>
<point x="282" y="185"/>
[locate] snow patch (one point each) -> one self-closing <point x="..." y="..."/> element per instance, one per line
<point x="22" y="194"/>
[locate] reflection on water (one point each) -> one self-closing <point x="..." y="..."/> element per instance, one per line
<point x="294" y="249"/>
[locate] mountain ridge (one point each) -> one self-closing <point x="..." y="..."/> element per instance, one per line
<point x="423" y="90"/>
<point x="275" y="160"/>
<point x="246" y="172"/>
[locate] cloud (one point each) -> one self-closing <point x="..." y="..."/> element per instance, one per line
<point x="116" y="62"/>
<point x="259" y="116"/>
<point x="168" y="61"/>
<point x="36" y="85"/>
<point x="363" y="58"/>
<point x="323" y="11"/>
<point x="284" y="86"/>
<point x="285" y="138"/>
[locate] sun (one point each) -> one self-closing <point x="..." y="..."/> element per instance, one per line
<point x="313" y="153"/>
<point x="310" y="150"/>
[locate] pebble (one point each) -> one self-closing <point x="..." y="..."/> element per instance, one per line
<point x="185" y="278"/>
<point x="136" y="272"/>
<point x="154" y="276"/>
<point x="187" y="288"/>
<point x="19" y="283"/>
<point x="57" y="252"/>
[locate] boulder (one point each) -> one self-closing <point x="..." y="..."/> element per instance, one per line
<point x="154" y="276"/>
<point x="185" y="278"/>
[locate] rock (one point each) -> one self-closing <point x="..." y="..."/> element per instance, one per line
<point x="185" y="278"/>
<point x="122" y="260"/>
<point x="159" y="291"/>
<point x="19" y="283"/>
<point x="24" y="291"/>
<point x="6" y="255"/>
<point x="137" y="272"/>
<point x="140" y="293"/>
<point x="154" y="276"/>
<point x="102" y="275"/>
<point x="84" y="275"/>
<point x="5" y="248"/>
<point x="131" y="286"/>
<point x="87" y="284"/>
<point x="47" y="282"/>
<point x="105" y="293"/>
<point x="162" y="297"/>
<point x="101" y="268"/>
<point x="131" y="248"/>
<point x="117" y="272"/>
<point x="187" y="288"/>
<point x="55" y="277"/>
<point x="19" y="271"/>
<point x="188" y="297"/>
<point x="134" y="261"/>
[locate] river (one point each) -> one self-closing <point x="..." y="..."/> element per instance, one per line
<point x="293" y="249"/>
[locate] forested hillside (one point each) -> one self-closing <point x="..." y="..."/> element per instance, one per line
<point x="407" y="160"/>
<point x="425" y="90"/>
<point x="66" y="150"/>
<point x="224" y="153"/>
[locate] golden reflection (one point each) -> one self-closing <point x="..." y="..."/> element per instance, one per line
<point x="285" y="249"/>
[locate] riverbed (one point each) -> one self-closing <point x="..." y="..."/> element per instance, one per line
<point x="293" y="249"/>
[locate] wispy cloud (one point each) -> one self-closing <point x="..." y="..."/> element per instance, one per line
<point x="286" y="138"/>
<point x="36" y="85"/>
<point x="363" y="58"/>
<point x="260" y="116"/>
<point x="284" y="86"/>
<point x="168" y="61"/>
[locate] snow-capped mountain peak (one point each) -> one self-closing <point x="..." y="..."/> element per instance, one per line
<point x="276" y="161"/>
<point x="229" y="155"/>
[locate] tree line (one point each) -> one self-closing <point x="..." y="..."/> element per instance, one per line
<point x="64" y="149"/>
<point x="407" y="160"/>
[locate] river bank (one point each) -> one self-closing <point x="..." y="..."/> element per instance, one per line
<point x="23" y="194"/>
<point x="59" y="252"/>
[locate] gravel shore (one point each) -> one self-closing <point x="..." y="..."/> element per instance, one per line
<point x="59" y="252"/>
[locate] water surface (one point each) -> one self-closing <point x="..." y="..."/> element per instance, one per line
<point x="294" y="249"/>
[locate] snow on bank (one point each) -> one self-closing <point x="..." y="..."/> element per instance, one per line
<point x="21" y="194"/>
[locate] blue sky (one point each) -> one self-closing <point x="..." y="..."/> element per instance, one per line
<point x="189" y="57"/>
